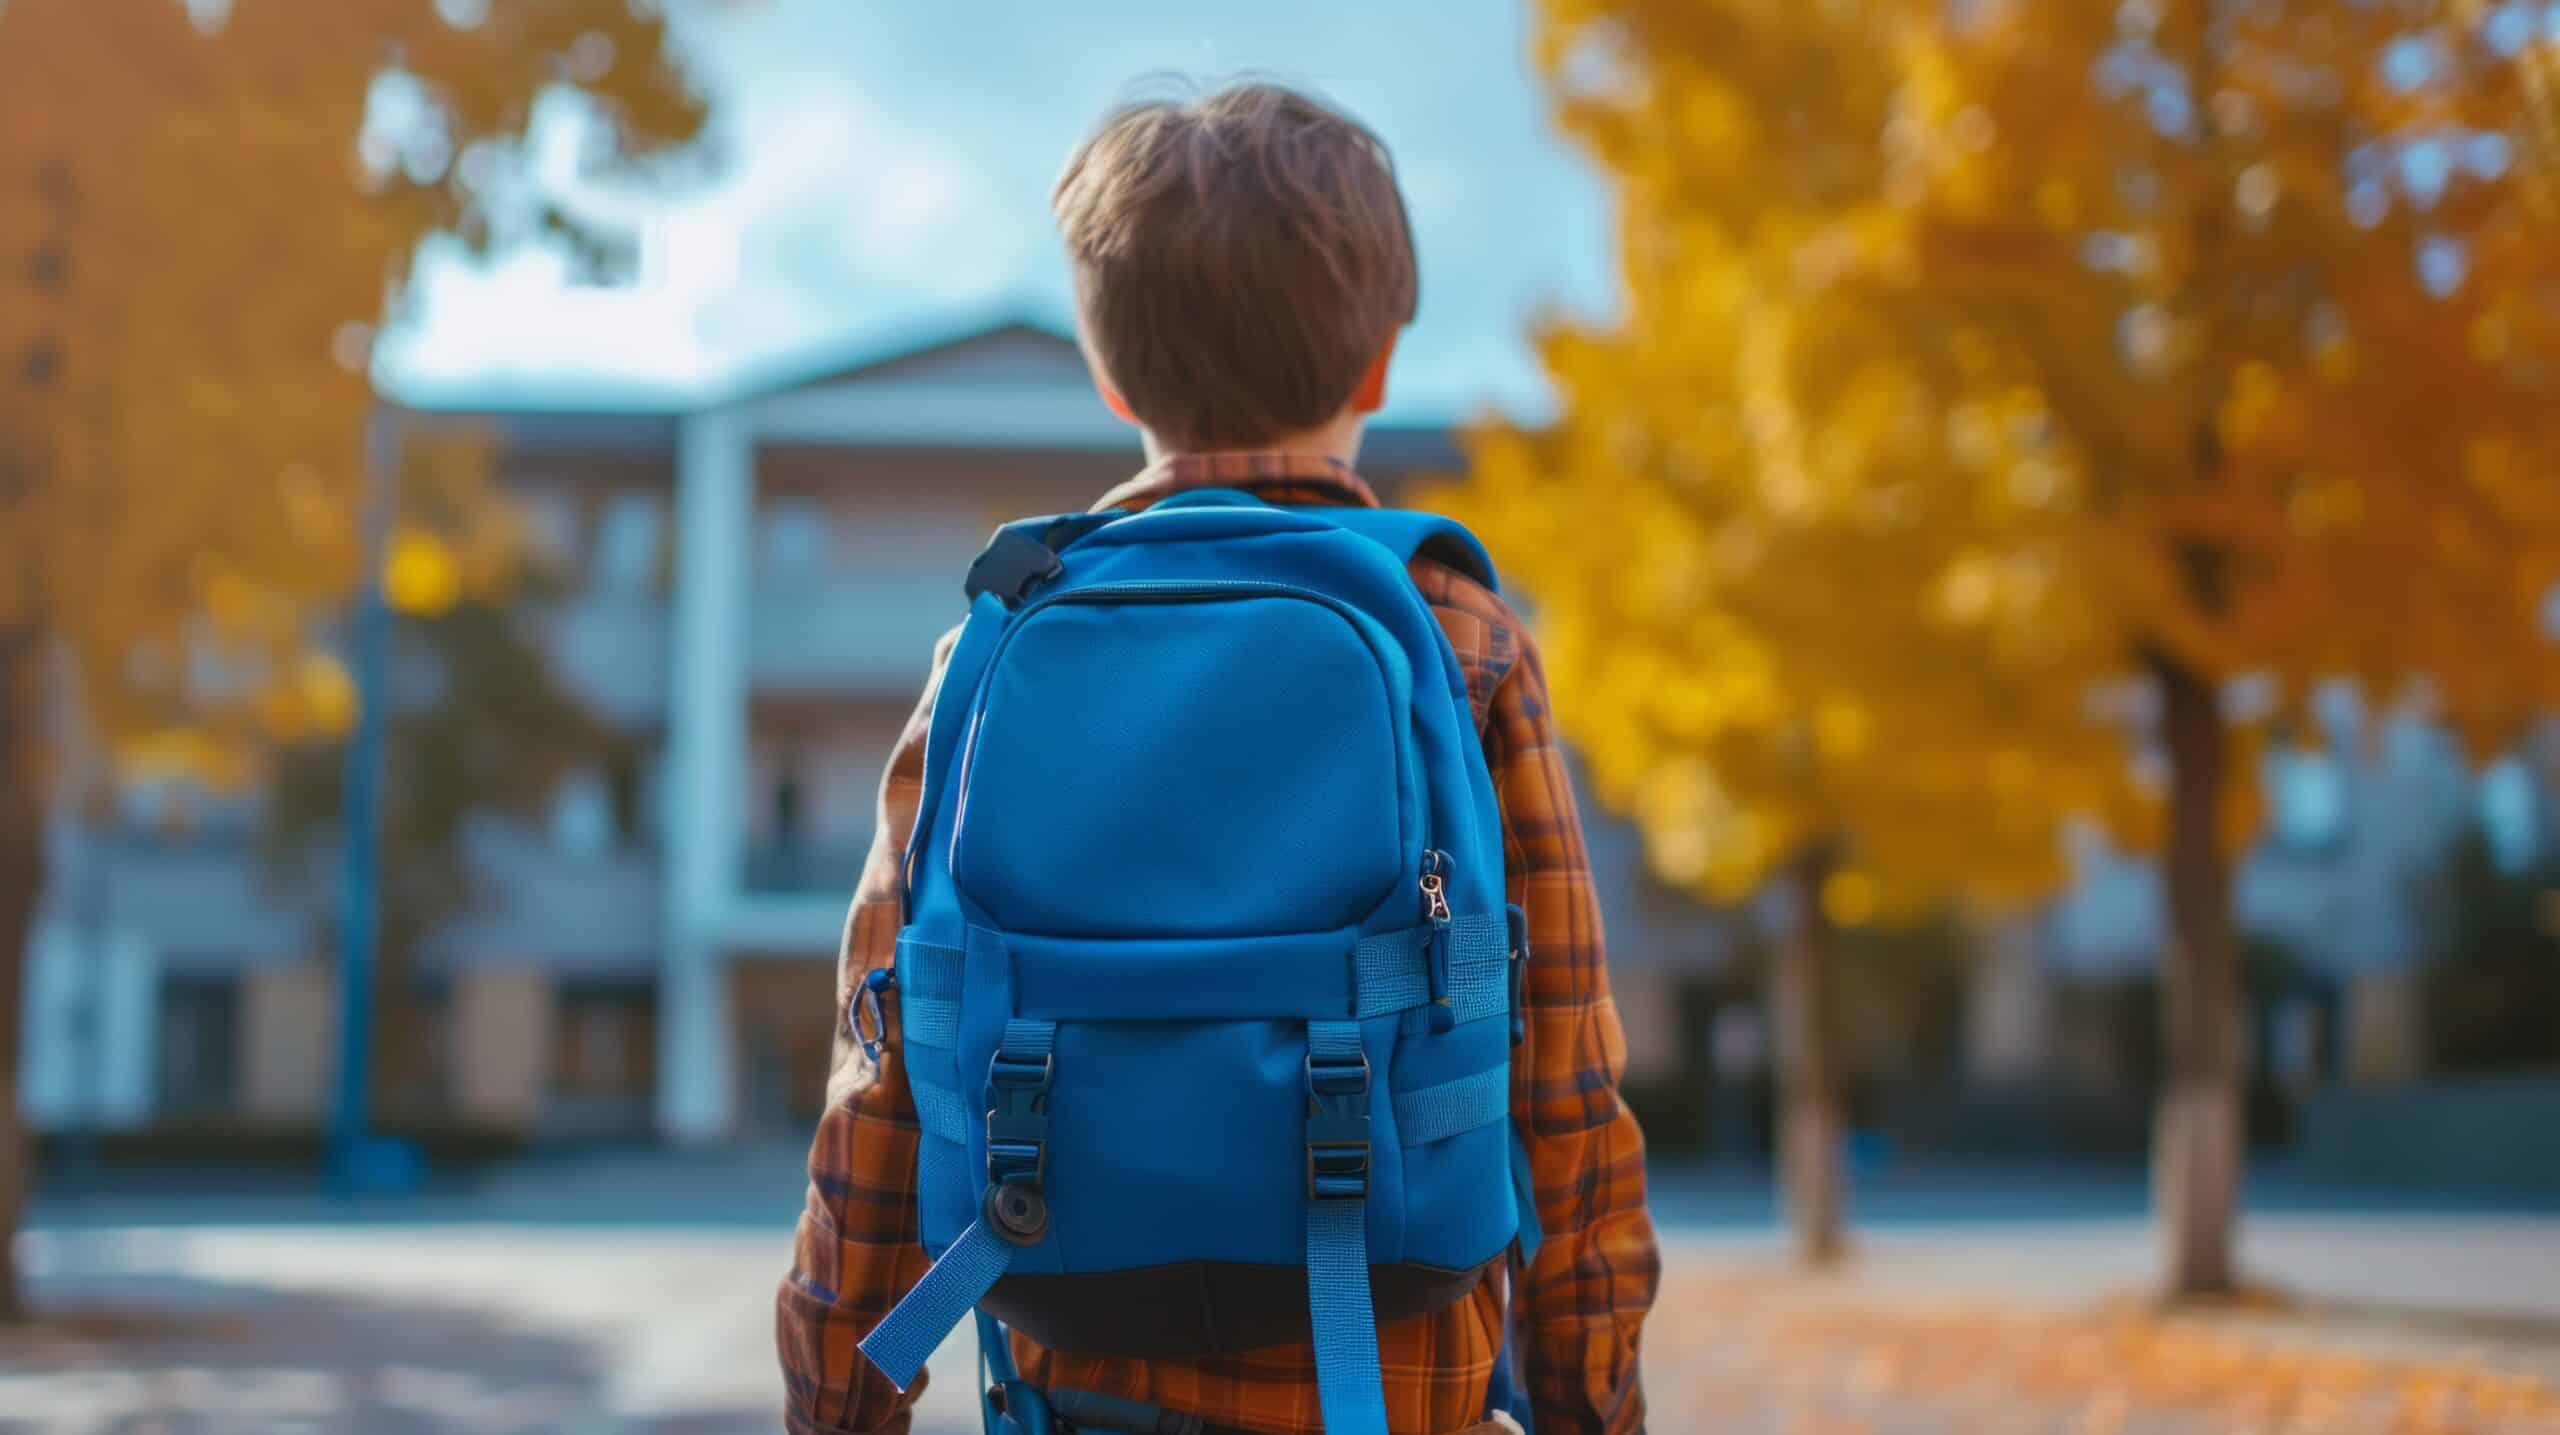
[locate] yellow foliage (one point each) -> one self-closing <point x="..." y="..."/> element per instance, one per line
<point x="419" y="574"/>
<point x="193" y="245"/>
<point x="1849" y="898"/>
<point x="1977" y="362"/>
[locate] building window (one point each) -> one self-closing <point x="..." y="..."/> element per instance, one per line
<point x="632" y="782"/>
<point x="606" y="1042"/>
<point x="629" y="540"/>
<point x="791" y="543"/>
<point x="177" y="812"/>
<point x="552" y="521"/>
<point x="199" y="1072"/>
<point x="2510" y="815"/>
<point x="2310" y="800"/>
<point x="582" y="815"/>
<point x="791" y="851"/>
<point x="789" y="806"/>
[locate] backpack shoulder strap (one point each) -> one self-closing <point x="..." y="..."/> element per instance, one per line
<point x="1410" y="535"/>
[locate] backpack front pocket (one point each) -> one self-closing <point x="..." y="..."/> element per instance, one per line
<point x="1185" y="760"/>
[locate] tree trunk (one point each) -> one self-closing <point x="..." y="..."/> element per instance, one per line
<point x="21" y="887"/>
<point x="1810" y="1126"/>
<point x="2195" y="1151"/>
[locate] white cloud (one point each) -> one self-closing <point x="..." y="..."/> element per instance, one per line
<point x="891" y="163"/>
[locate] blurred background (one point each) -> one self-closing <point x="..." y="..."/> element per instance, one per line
<point x="2045" y="523"/>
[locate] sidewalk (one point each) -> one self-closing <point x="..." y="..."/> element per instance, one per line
<point x="538" y="1305"/>
<point x="2047" y="1330"/>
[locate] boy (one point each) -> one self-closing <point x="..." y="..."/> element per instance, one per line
<point x="1242" y="267"/>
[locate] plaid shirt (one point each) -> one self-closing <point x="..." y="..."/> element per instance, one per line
<point x="1583" y="1301"/>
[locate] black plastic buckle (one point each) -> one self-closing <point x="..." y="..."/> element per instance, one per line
<point x="1337" y="1129"/>
<point x="1018" y="1119"/>
<point x="1012" y="565"/>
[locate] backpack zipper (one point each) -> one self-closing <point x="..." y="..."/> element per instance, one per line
<point x="1435" y="905"/>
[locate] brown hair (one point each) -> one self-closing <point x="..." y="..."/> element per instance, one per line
<point x="1240" y="259"/>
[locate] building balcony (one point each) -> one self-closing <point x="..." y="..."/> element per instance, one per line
<point x="823" y="868"/>
<point x="208" y="900"/>
<point x="582" y="913"/>
<point x="832" y="638"/>
<point x="612" y="651"/>
<point x="847" y="637"/>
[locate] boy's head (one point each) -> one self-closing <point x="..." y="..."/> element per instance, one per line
<point x="1242" y="264"/>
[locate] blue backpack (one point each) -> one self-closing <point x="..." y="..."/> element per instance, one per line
<point x="1208" y="983"/>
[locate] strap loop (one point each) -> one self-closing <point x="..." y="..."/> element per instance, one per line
<point x="1436" y="1113"/>
<point x="1391" y="971"/>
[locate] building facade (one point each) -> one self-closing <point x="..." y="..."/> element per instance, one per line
<point x="751" y="593"/>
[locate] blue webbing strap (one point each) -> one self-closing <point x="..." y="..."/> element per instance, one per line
<point x="1024" y="1037"/>
<point x="958" y="1281"/>
<point x="1479" y="964"/>
<point x="1018" y="1083"/>
<point x="1387" y="972"/>
<point x="1092" y="1410"/>
<point x="1391" y="972"/>
<point x="1348" y="1384"/>
<point x="995" y="1353"/>
<point x="929" y="1015"/>
<point x="940" y="1111"/>
<point x="1007" y="1404"/>
<point x="1436" y="1113"/>
<point x="929" y="1021"/>
<point x="929" y="983"/>
<point x="930" y="969"/>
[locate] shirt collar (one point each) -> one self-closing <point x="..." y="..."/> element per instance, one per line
<point x="1268" y="474"/>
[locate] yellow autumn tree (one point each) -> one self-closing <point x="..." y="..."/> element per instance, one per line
<point x="198" y="233"/>
<point x="2184" y="343"/>
<point x="1782" y="671"/>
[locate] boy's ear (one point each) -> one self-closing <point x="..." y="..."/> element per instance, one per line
<point x="1111" y="400"/>
<point x="1371" y="396"/>
<point x="1102" y="384"/>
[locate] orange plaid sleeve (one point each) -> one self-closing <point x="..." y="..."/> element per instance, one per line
<point x="1581" y="1306"/>
<point x="856" y="1250"/>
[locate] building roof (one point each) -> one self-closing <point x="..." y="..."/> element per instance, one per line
<point x="1000" y="379"/>
<point x="901" y="350"/>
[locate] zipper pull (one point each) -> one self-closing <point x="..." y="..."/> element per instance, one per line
<point x="1435" y="903"/>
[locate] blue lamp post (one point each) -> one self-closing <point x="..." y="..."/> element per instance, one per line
<point x="360" y="1162"/>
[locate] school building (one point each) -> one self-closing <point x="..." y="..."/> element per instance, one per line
<point x="751" y="592"/>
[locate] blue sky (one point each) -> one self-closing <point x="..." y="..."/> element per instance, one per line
<point x="886" y="169"/>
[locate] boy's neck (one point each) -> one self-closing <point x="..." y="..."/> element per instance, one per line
<point x="1338" y="440"/>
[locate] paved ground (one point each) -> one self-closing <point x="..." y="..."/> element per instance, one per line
<point x="632" y="1295"/>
